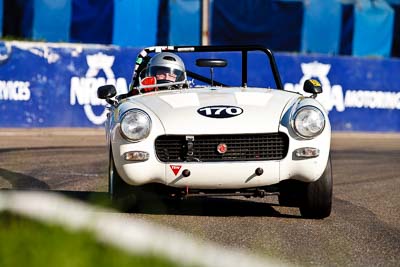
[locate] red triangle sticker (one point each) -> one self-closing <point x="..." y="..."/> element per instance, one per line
<point x="175" y="168"/>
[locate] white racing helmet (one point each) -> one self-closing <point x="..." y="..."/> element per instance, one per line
<point x="166" y="62"/>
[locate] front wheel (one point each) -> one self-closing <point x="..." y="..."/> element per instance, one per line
<point x="316" y="202"/>
<point x="121" y="194"/>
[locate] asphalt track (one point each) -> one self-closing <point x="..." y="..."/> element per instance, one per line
<point x="363" y="230"/>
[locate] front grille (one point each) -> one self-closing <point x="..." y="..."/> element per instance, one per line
<point x="203" y="148"/>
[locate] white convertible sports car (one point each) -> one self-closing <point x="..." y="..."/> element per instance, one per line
<point x="180" y="133"/>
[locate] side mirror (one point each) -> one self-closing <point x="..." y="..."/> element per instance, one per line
<point x="312" y="86"/>
<point x="106" y="91"/>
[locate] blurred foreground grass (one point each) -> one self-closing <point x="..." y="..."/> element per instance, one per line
<point x="25" y="242"/>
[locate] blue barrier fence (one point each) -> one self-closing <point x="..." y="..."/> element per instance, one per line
<point x="51" y="85"/>
<point x="1" y="17"/>
<point x="135" y="22"/>
<point x="51" y="20"/>
<point x="346" y="27"/>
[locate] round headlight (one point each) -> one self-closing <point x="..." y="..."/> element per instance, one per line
<point x="135" y="125"/>
<point x="308" y="122"/>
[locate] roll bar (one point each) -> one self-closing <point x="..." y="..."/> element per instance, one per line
<point x="243" y="49"/>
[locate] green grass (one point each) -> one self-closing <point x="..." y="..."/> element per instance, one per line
<point x="25" y="242"/>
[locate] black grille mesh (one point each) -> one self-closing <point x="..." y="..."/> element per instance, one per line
<point x="243" y="147"/>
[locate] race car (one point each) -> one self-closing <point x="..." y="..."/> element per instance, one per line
<point x="199" y="121"/>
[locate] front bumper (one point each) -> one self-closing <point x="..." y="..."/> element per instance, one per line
<point x="219" y="175"/>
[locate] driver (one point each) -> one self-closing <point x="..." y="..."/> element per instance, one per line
<point x="167" y="67"/>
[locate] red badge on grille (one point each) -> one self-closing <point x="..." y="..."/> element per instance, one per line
<point x="222" y="148"/>
<point x="175" y="168"/>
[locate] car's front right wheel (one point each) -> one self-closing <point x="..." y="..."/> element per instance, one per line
<point x="121" y="194"/>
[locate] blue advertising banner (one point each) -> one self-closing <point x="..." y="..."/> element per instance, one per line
<point x="55" y="85"/>
<point x="44" y="85"/>
<point x="360" y="94"/>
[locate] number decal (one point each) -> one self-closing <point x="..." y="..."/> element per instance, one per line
<point x="233" y="111"/>
<point x="220" y="112"/>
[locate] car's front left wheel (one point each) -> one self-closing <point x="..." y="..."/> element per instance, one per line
<point x="314" y="199"/>
<point x="316" y="202"/>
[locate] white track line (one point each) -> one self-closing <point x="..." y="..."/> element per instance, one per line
<point x="129" y="234"/>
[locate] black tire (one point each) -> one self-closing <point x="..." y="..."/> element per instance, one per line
<point x="316" y="202"/>
<point x="289" y="193"/>
<point x="121" y="194"/>
<point x="127" y="197"/>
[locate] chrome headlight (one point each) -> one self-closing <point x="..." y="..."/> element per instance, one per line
<point x="135" y="125"/>
<point x="308" y="122"/>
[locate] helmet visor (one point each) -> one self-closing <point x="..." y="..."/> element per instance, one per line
<point x="166" y="74"/>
